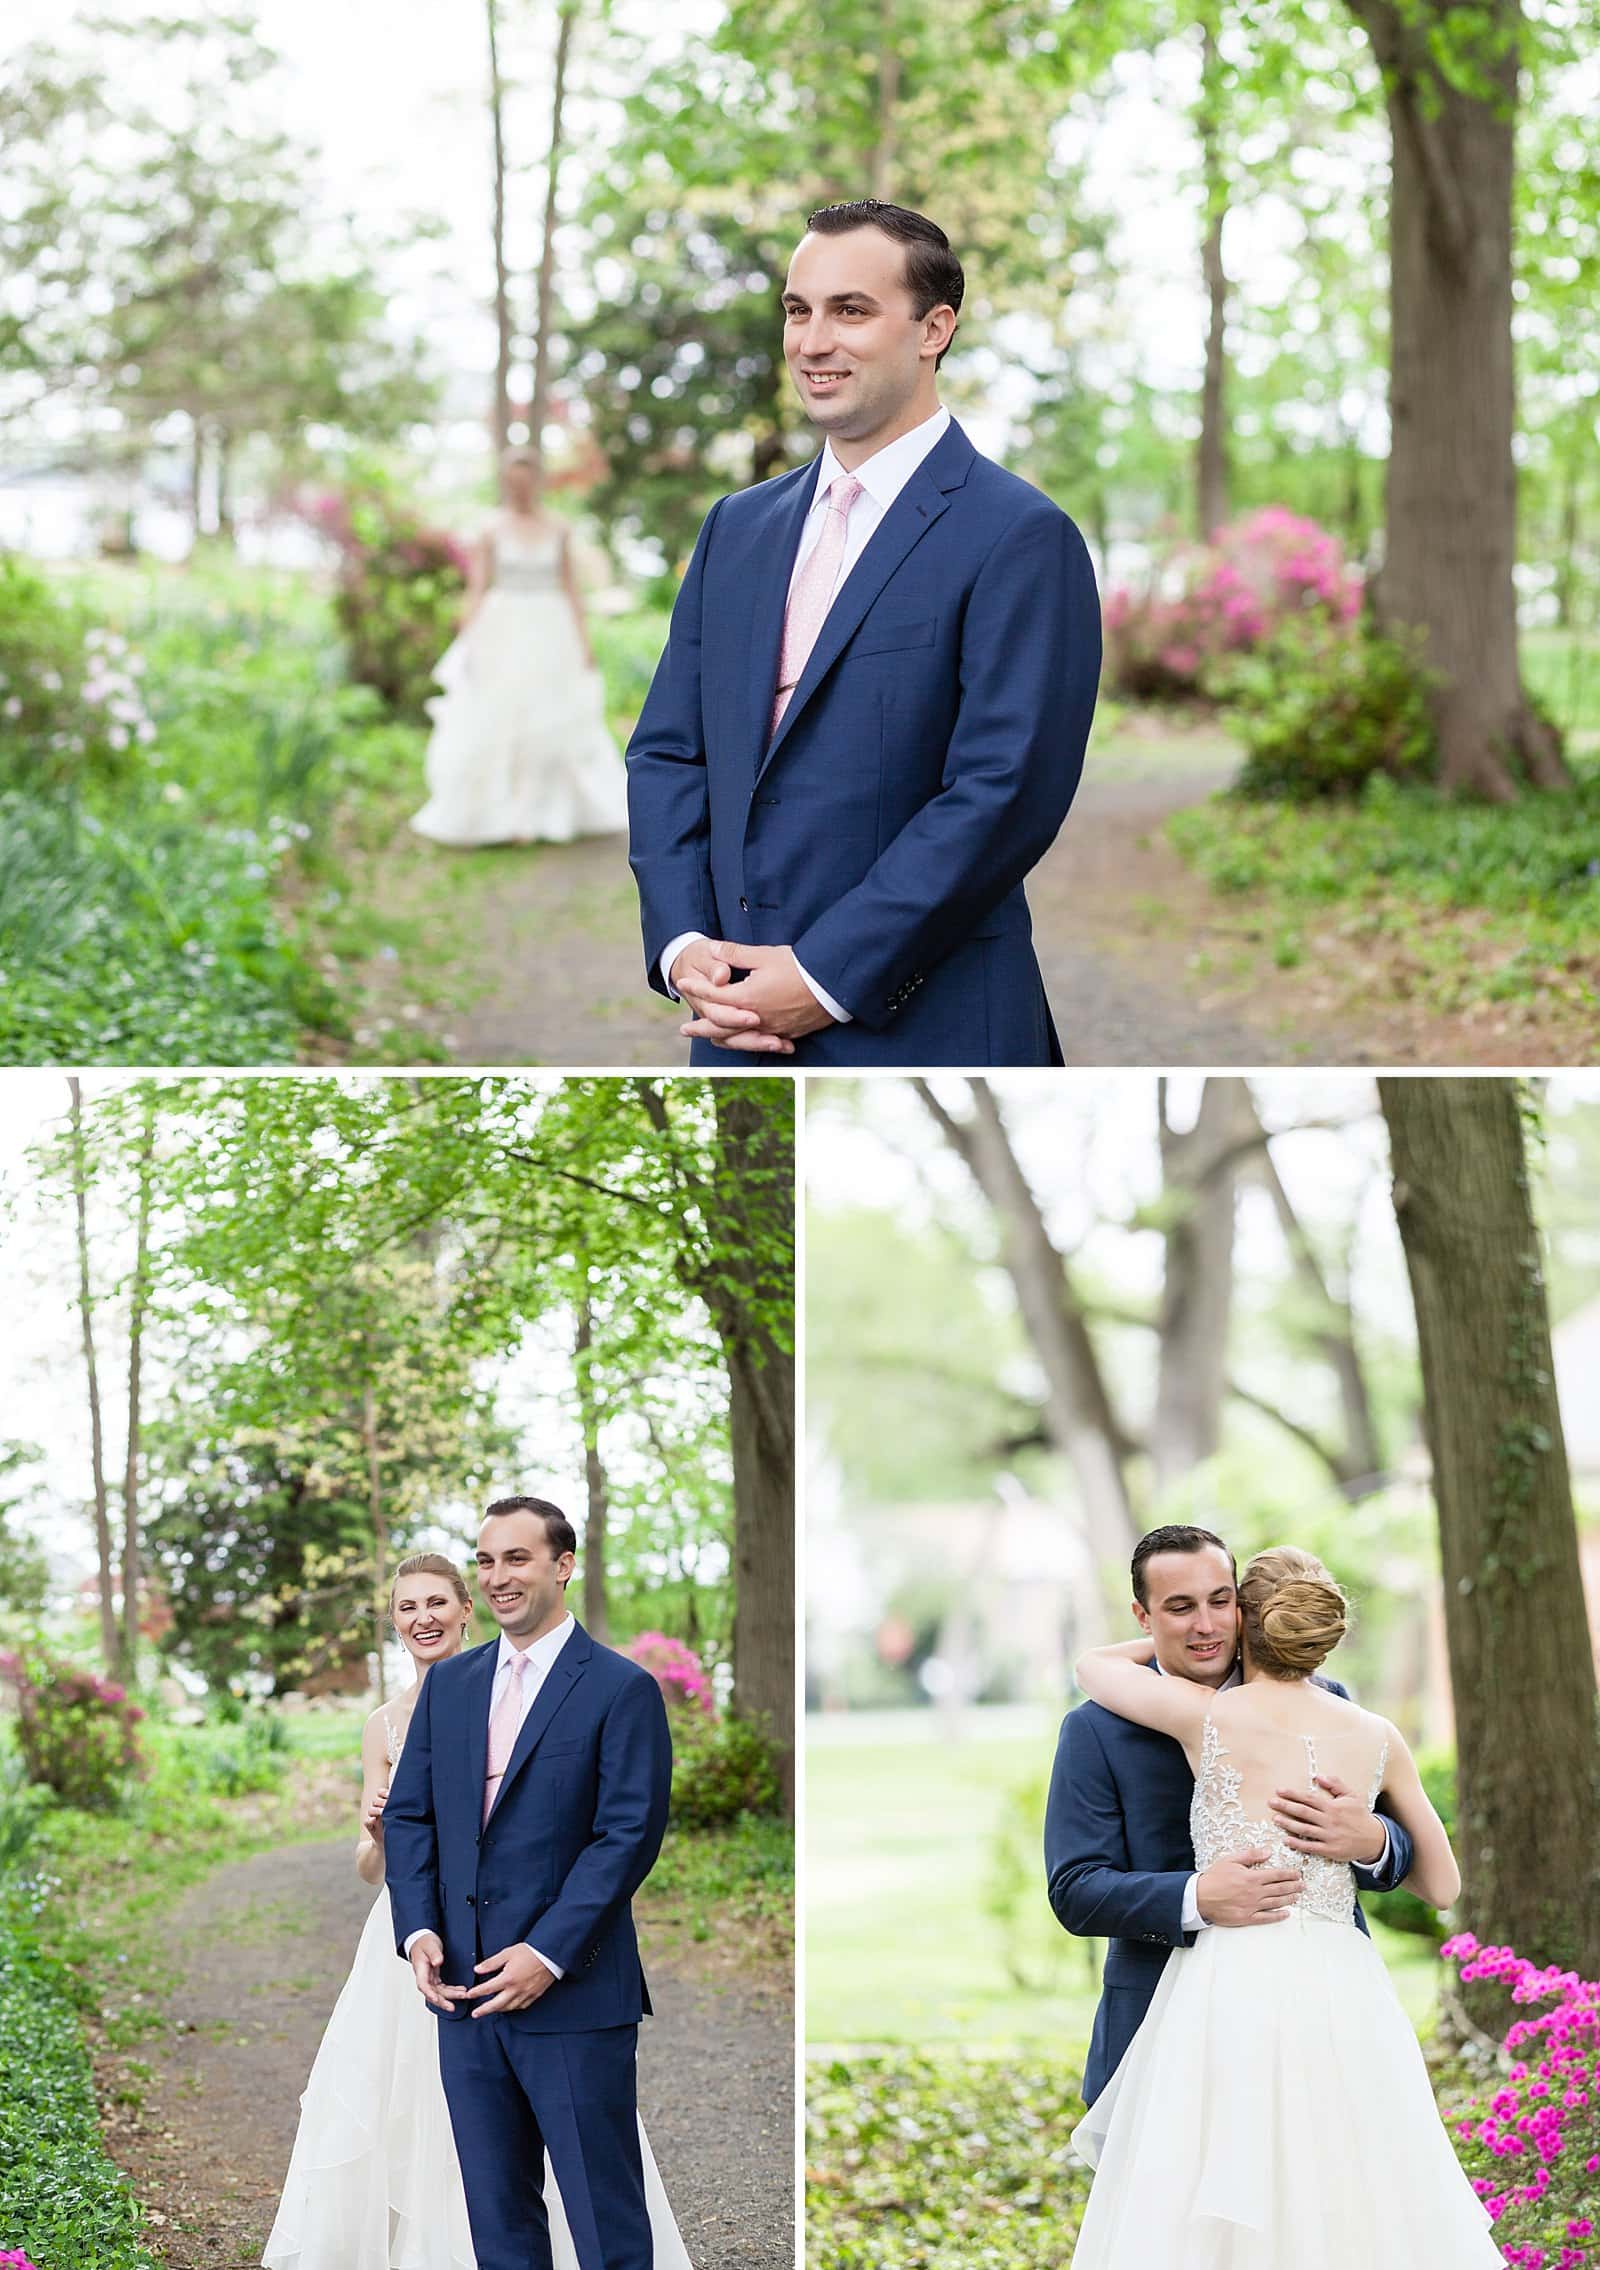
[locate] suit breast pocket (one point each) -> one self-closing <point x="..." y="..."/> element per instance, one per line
<point x="548" y="1752"/>
<point x="894" y="633"/>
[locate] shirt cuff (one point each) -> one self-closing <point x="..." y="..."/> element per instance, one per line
<point x="416" y="1935"/>
<point x="826" y="1000"/>
<point x="554" y="1969"/>
<point x="1193" y="1920"/>
<point x="684" y="938"/>
<point x="1376" y="1867"/>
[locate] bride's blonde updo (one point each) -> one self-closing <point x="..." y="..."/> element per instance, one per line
<point x="430" y="1564"/>
<point x="1292" y="1612"/>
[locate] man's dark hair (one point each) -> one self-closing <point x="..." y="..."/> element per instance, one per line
<point x="933" y="273"/>
<point x="1173" y="1537"/>
<point x="559" y="1533"/>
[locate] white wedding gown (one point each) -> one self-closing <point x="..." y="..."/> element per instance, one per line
<point x="373" y="2182"/>
<point x="520" y="750"/>
<point x="1273" y="2112"/>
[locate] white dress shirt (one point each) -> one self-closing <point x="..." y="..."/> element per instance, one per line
<point x="882" y="476"/>
<point x="541" y="1653"/>
<point x="1193" y="1920"/>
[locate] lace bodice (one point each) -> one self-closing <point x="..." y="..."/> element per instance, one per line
<point x="1220" y="1823"/>
<point x="393" y="1740"/>
<point x="527" y="563"/>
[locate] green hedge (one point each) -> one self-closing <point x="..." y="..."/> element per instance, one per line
<point x="61" y="2199"/>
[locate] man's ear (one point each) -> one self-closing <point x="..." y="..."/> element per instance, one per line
<point x="1141" y="1617"/>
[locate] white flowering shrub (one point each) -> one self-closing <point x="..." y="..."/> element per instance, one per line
<point x="72" y="706"/>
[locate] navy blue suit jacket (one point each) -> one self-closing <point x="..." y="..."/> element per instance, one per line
<point x="1118" y="1855"/>
<point x="924" y="764"/>
<point x="574" y="1832"/>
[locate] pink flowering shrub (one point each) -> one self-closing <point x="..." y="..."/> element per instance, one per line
<point x="13" y="2258"/>
<point x="676" y="1669"/>
<point x="76" y="1731"/>
<point x="1532" y="2149"/>
<point x="1230" y="597"/>
<point x="398" y="595"/>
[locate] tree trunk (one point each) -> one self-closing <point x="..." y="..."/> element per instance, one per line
<point x="1356" y="1459"/>
<point x="500" y="412"/>
<point x="546" y="301"/>
<point x="757" y="1155"/>
<point x="380" y="1533"/>
<point x="1521" y="1665"/>
<point x="1211" y="464"/>
<point x="884" y="150"/>
<point x="197" y="475"/>
<point x="102" y="1515"/>
<point x="594" y="1533"/>
<point x="1199" y="1172"/>
<point x="1451" y="503"/>
<point x="138" y="1304"/>
<point x="1078" y="1412"/>
<point x="225" y="484"/>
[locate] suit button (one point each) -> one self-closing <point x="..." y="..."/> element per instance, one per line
<point x="471" y="1902"/>
<point x="744" y="906"/>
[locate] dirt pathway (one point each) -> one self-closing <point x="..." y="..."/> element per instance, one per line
<point x="258" y="1954"/>
<point x="532" y="955"/>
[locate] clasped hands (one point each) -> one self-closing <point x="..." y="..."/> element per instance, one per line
<point x="516" y="1977"/>
<point x="765" y="1015"/>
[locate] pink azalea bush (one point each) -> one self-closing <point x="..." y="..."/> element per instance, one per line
<point x="1209" y="603"/>
<point x="1532" y="2149"/>
<point x="677" y="1670"/>
<point x="399" y="592"/>
<point x="76" y="1731"/>
<point x="13" y="2258"/>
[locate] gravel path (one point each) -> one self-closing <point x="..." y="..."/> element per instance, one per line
<point x="543" y="957"/>
<point x="258" y="1954"/>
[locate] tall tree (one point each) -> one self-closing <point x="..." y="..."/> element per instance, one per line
<point x="755" y="1182"/>
<point x="1450" y="72"/>
<point x="1200" y="1168"/>
<point x="1521" y="1656"/>
<point x="545" y="287"/>
<point x="79" y="1170"/>
<point x="597" y="1511"/>
<point x="500" y="409"/>
<point x="138" y="1311"/>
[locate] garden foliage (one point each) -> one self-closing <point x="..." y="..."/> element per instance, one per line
<point x="399" y="595"/>
<point x="76" y="1731"/>
<point x="1205" y="605"/>
<point x="1531" y="2144"/>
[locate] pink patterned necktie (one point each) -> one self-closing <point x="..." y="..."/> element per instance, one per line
<point x="504" y="1728"/>
<point x="812" y="594"/>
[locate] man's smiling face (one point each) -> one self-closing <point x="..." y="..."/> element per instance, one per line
<point x="1192" y="1613"/>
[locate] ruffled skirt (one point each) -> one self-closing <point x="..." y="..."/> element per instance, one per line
<point x="374" y="2182"/>
<point x="520" y="750"/>
<point x="1273" y="2112"/>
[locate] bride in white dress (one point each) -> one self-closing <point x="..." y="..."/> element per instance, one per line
<point x="1273" y="2111"/>
<point x="373" y="2182"/>
<point x="520" y="750"/>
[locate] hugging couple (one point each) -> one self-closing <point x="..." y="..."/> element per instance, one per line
<point x="1256" y="2096"/>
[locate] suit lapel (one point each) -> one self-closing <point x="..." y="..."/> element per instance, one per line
<point x="479" y="1686"/>
<point x="559" y="1681"/>
<point x="771" y="563"/>
<point x="920" y="503"/>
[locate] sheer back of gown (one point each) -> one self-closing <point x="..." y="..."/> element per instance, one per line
<point x="1244" y="1760"/>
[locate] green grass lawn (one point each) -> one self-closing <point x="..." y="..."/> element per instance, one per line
<point x="902" y="1941"/>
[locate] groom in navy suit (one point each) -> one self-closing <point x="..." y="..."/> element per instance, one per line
<point x="527" y="1809"/>
<point x="870" y="717"/>
<point x="1116" y="1842"/>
